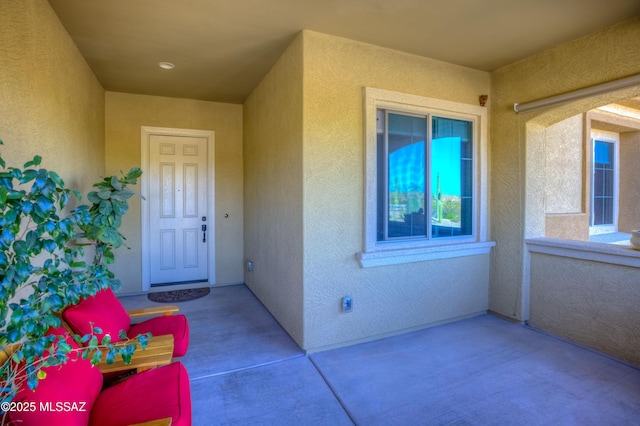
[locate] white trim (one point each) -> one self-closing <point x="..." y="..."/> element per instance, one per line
<point x="398" y="256"/>
<point x="382" y="253"/>
<point x="615" y="254"/>
<point x="146" y="133"/>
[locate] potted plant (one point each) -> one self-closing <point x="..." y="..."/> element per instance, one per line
<point x="635" y="239"/>
<point x="52" y="256"/>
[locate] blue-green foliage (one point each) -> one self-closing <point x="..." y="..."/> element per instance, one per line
<point x="42" y="251"/>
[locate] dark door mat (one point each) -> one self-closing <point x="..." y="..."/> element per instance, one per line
<point x="178" y="295"/>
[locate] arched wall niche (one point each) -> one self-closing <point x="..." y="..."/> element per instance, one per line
<point x="534" y="127"/>
<point x="534" y="131"/>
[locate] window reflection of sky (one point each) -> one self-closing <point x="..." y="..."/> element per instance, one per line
<point x="406" y="167"/>
<point x="446" y="161"/>
<point x="602" y="152"/>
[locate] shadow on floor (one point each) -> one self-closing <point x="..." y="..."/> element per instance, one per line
<point x="245" y="369"/>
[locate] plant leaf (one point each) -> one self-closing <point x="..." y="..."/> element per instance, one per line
<point x="35" y="162"/>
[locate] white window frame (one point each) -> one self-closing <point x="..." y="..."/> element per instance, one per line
<point x="380" y="253"/>
<point x="613" y="138"/>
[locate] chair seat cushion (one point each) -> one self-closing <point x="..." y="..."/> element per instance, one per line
<point x="167" y="324"/>
<point x="104" y="310"/>
<point x="154" y="394"/>
<point x="65" y="397"/>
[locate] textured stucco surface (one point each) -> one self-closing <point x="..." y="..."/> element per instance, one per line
<point x="391" y="298"/>
<point x="517" y="143"/>
<point x="592" y="303"/>
<point x="51" y="104"/>
<point x="125" y="115"/>
<point x="629" y="217"/>
<point x="304" y="196"/>
<point x="564" y="148"/>
<point x="273" y="192"/>
<point x="572" y="226"/>
<point x="564" y="144"/>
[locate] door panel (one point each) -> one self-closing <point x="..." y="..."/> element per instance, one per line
<point x="177" y="204"/>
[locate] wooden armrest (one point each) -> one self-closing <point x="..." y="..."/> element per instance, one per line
<point x="154" y="310"/>
<point x="159" y="351"/>
<point x="7" y="351"/>
<point x="159" y="422"/>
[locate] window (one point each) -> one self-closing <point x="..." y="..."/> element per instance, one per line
<point x="425" y="179"/>
<point x="604" y="187"/>
<point x="424" y="176"/>
<point x="603" y="162"/>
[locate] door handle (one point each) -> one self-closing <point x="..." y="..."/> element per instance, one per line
<point x="204" y="233"/>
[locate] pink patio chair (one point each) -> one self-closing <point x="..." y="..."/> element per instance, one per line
<point x="105" y="311"/>
<point x="71" y="394"/>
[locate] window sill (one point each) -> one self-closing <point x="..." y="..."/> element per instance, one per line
<point x="616" y="254"/>
<point x="398" y="256"/>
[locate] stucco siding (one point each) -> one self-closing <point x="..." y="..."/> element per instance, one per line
<point x="592" y="303"/>
<point x="273" y="193"/>
<point x="51" y="104"/>
<point x="387" y="299"/>
<point x="629" y="218"/>
<point x="518" y="139"/>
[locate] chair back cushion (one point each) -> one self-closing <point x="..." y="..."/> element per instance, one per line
<point x="65" y="397"/>
<point x="104" y="310"/>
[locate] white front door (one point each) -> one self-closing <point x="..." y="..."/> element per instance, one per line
<point x="179" y="226"/>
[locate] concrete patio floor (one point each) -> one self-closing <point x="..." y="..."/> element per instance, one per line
<point x="246" y="370"/>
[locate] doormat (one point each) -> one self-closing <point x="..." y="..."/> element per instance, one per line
<point x="178" y="295"/>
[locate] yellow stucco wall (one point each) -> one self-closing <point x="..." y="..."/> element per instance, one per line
<point x="51" y="104"/>
<point x="592" y="303"/>
<point x="273" y="191"/>
<point x="387" y="299"/>
<point x="569" y="226"/>
<point x="517" y="143"/>
<point x="629" y="218"/>
<point x="564" y="144"/>
<point x="564" y="149"/>
<point x="125" y="115"/>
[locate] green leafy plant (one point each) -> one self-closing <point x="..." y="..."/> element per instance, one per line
<point x="51" y="257"/>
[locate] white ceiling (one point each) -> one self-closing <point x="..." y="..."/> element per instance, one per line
<point x="223" y="48"/>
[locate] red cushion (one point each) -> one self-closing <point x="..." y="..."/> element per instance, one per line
<point x="65" y="397"/>
<point x="167" y="324"/>
<point x="155" y="394"/>
<point x="104" y="310"/>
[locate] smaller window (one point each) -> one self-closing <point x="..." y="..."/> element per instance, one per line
<point x="603" y="195"/>
<point x="604" y="183"/>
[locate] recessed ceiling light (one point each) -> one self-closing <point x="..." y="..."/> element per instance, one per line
<point x="166" y="65"/>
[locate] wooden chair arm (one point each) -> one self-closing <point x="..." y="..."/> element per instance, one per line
<point x="7" y="351"/>
<point x="159" y="351"/>
<point x="153" y="310"/>
<point x="159" y="422"/>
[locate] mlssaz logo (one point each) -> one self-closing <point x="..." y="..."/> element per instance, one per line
<point x="63" y="406"/>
